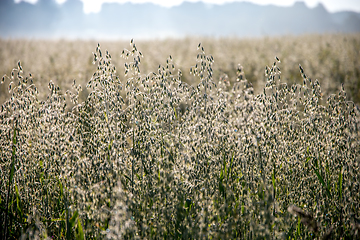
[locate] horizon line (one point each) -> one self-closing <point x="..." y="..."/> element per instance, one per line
<point x="177" y="3"/>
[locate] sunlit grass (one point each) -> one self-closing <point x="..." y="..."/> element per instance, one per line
<point x="147" y="155"/>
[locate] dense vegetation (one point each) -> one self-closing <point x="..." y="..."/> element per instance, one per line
<point x="147" y="155"/>
<point x="332" y="59"/>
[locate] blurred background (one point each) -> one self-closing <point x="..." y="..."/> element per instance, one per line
<point x="159" y="19"/>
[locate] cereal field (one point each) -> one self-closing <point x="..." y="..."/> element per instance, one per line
<point x="181" y="139"/>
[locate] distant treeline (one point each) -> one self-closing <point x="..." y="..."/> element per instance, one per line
<point x="48" y="19"/>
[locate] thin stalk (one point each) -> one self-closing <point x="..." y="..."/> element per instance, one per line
<point x="205" y="99"/>
<point x="132" y="162"/>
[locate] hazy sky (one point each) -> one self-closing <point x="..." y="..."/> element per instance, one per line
<point x="330" y="5"/>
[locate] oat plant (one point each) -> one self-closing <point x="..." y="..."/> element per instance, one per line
<point x="147" y="155"/>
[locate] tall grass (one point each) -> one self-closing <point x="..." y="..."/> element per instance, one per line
<point x="150" y="156"/>
<point x="331" y="58"/>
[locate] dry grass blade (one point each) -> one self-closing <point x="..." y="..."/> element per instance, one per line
<point x="306" y="218"/>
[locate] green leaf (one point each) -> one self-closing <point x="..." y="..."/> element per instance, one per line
<point x="221" y="174"/>
<point x="73" y="219"/>
<point x="80" y="235"/>
<point x="18" y="202"/>
<point x="110" y="144"/>
<point x="57" y="220"/>
<point x="230" y="167"/>
<point x="61" y="188"/>
<point x="106" y="118"/>
<point x="221" y="189"/>
<point x="298" y="227"/>
<point x="240" y="175"/>
<point x="176" y="116"/>
<point x="322" y="182"/>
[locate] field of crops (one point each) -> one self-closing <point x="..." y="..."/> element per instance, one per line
<point x="176" y="139"/>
